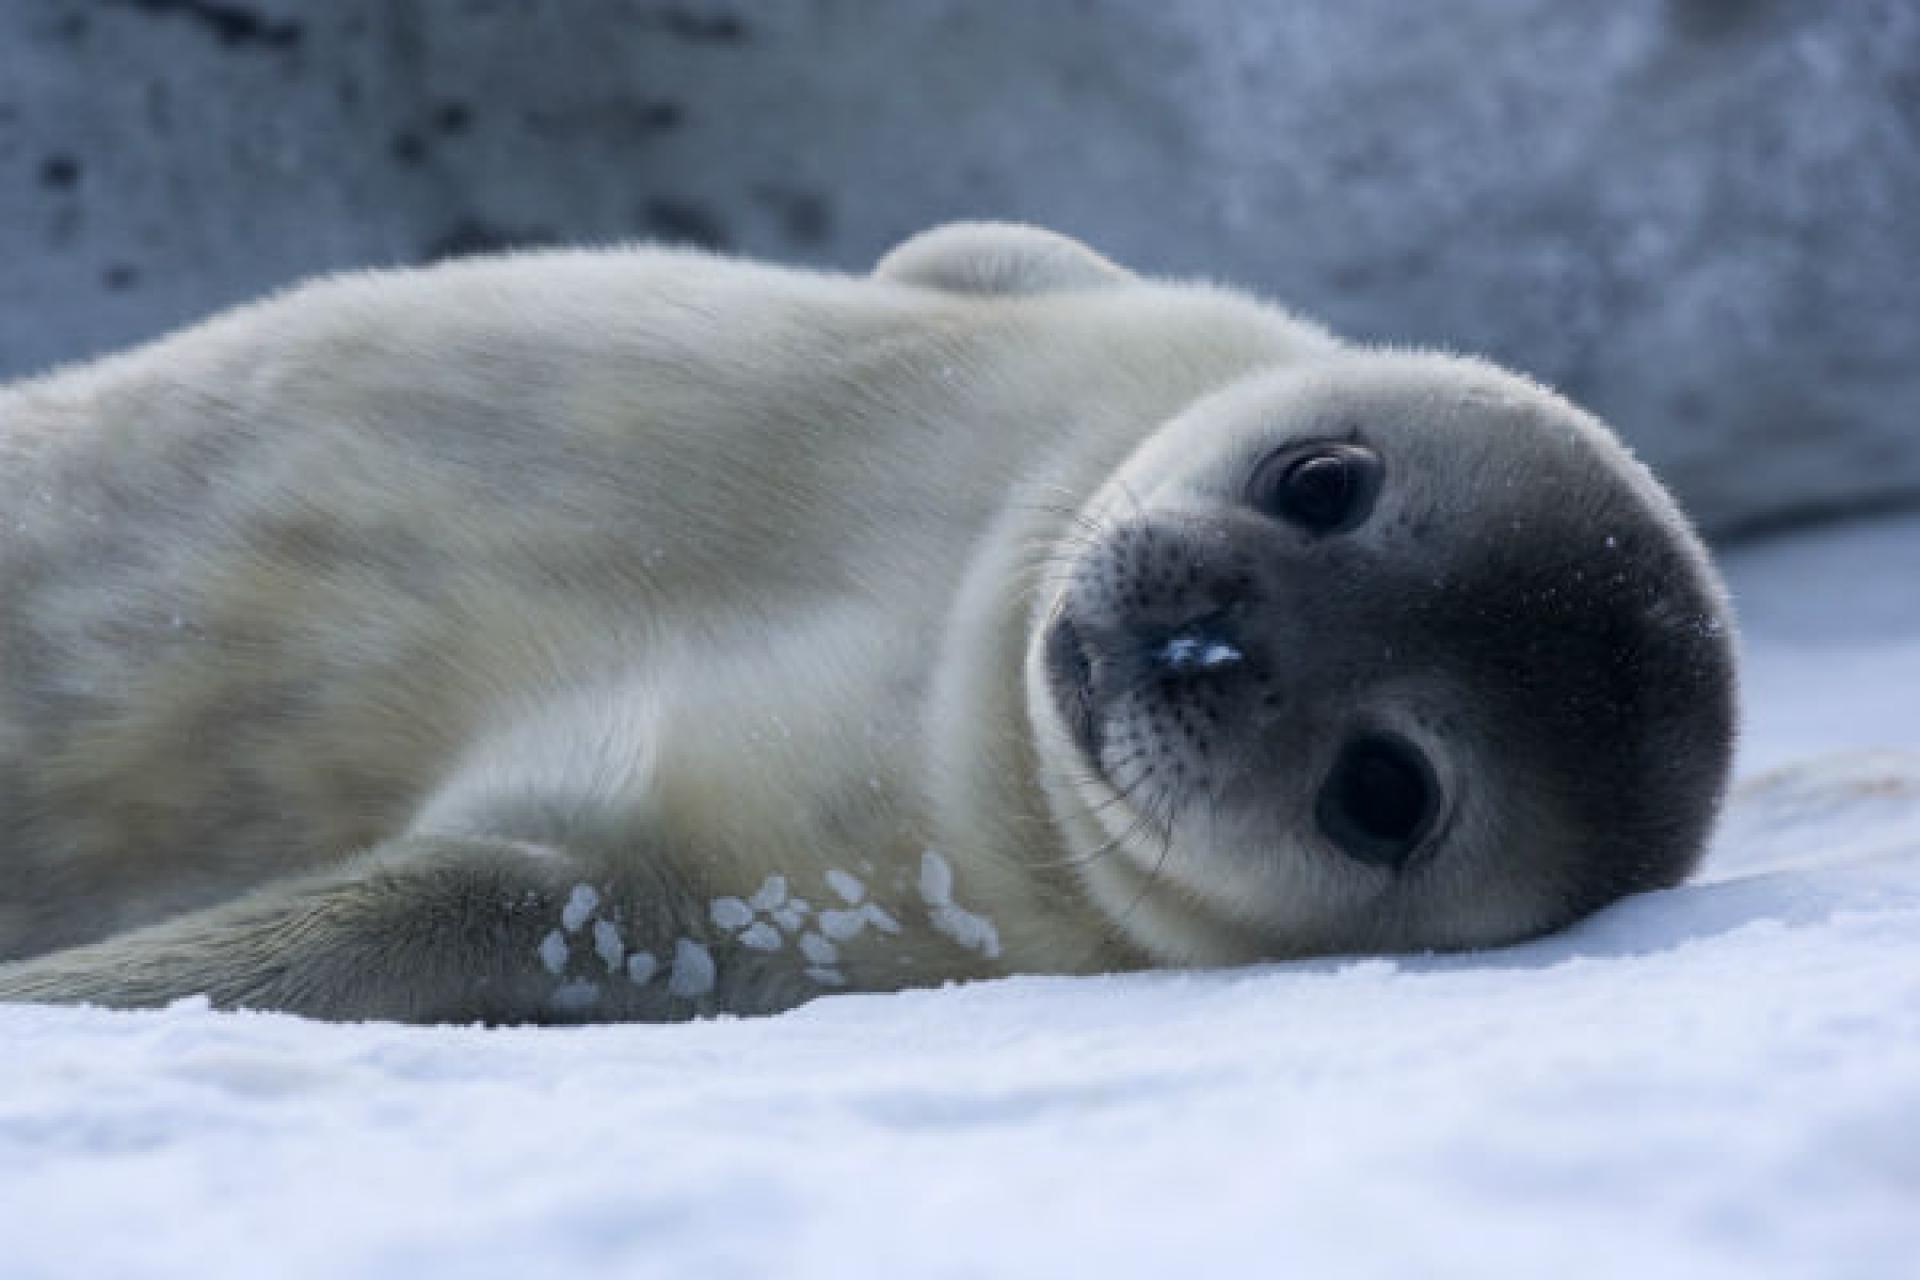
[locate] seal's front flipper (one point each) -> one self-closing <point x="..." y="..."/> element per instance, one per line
<point x="421" y="929"/>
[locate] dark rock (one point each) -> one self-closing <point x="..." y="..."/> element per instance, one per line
<point x="1697" y="216"/>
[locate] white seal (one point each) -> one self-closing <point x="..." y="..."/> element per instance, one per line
<point x="491" y="640"/>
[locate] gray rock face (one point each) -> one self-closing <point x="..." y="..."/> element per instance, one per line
<point x="1700" y="217"/>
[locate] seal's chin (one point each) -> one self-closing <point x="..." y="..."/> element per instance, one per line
<point x="1070" y="681"/>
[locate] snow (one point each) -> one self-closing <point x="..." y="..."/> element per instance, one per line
<point x="817" y="949"/>
<point x="580" y="907"/>
<point x="1718" y="1080"/>
<point x="972" y="931"/>
<point x="936" y="879"/>
<point x="641" y="966"/>
<point x="847" y="885"/>
<point x="770" y="895"/>
<point x="731" y="913"/>
<point x="842" y="926"/>
<point x="761" y="936"/>
<point x="554" y="952"/>
<point x="693" y="969"/>
<point x="608" y="944"/>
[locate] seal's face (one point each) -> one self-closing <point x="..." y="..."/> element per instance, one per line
<point x="1401" y="652"/>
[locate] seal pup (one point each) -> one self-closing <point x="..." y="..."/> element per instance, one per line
<point x="644" y="633"/>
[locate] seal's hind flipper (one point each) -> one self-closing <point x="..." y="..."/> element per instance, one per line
<point x="998" y="258"/>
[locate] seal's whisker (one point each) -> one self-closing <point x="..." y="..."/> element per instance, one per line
<point x="1143" y="818"/>
<point x="1116" y="928"/>
<point x="1121" y="794"/>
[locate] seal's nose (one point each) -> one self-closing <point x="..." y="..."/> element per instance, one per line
<point x="1197" y="647"/>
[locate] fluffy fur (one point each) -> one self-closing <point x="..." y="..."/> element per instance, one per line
<point x="566" y="635"/>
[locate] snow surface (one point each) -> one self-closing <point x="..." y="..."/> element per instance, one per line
<point x="1719" y="1080"/>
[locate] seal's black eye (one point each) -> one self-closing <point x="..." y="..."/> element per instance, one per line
<point x="1326" y="488"/>
<point x="1379" y="802"/>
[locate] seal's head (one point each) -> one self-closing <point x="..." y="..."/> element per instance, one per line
<point x="1398" y="651"/>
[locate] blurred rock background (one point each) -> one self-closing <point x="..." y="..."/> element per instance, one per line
<point x="1700" y="217"/>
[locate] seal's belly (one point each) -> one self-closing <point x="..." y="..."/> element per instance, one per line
<point x="179" y="729"/>
<point x="182" y="721"/>
<point x="789" y="748"/>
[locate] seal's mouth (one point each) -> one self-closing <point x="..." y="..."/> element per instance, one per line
<point x="1070" y="678"/>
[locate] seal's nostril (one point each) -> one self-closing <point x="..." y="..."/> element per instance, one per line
<point x="1186" y="651"/>
<point x="1199" y="646"/>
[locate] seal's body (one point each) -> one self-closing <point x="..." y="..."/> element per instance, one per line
<point x="644" y="633"/>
